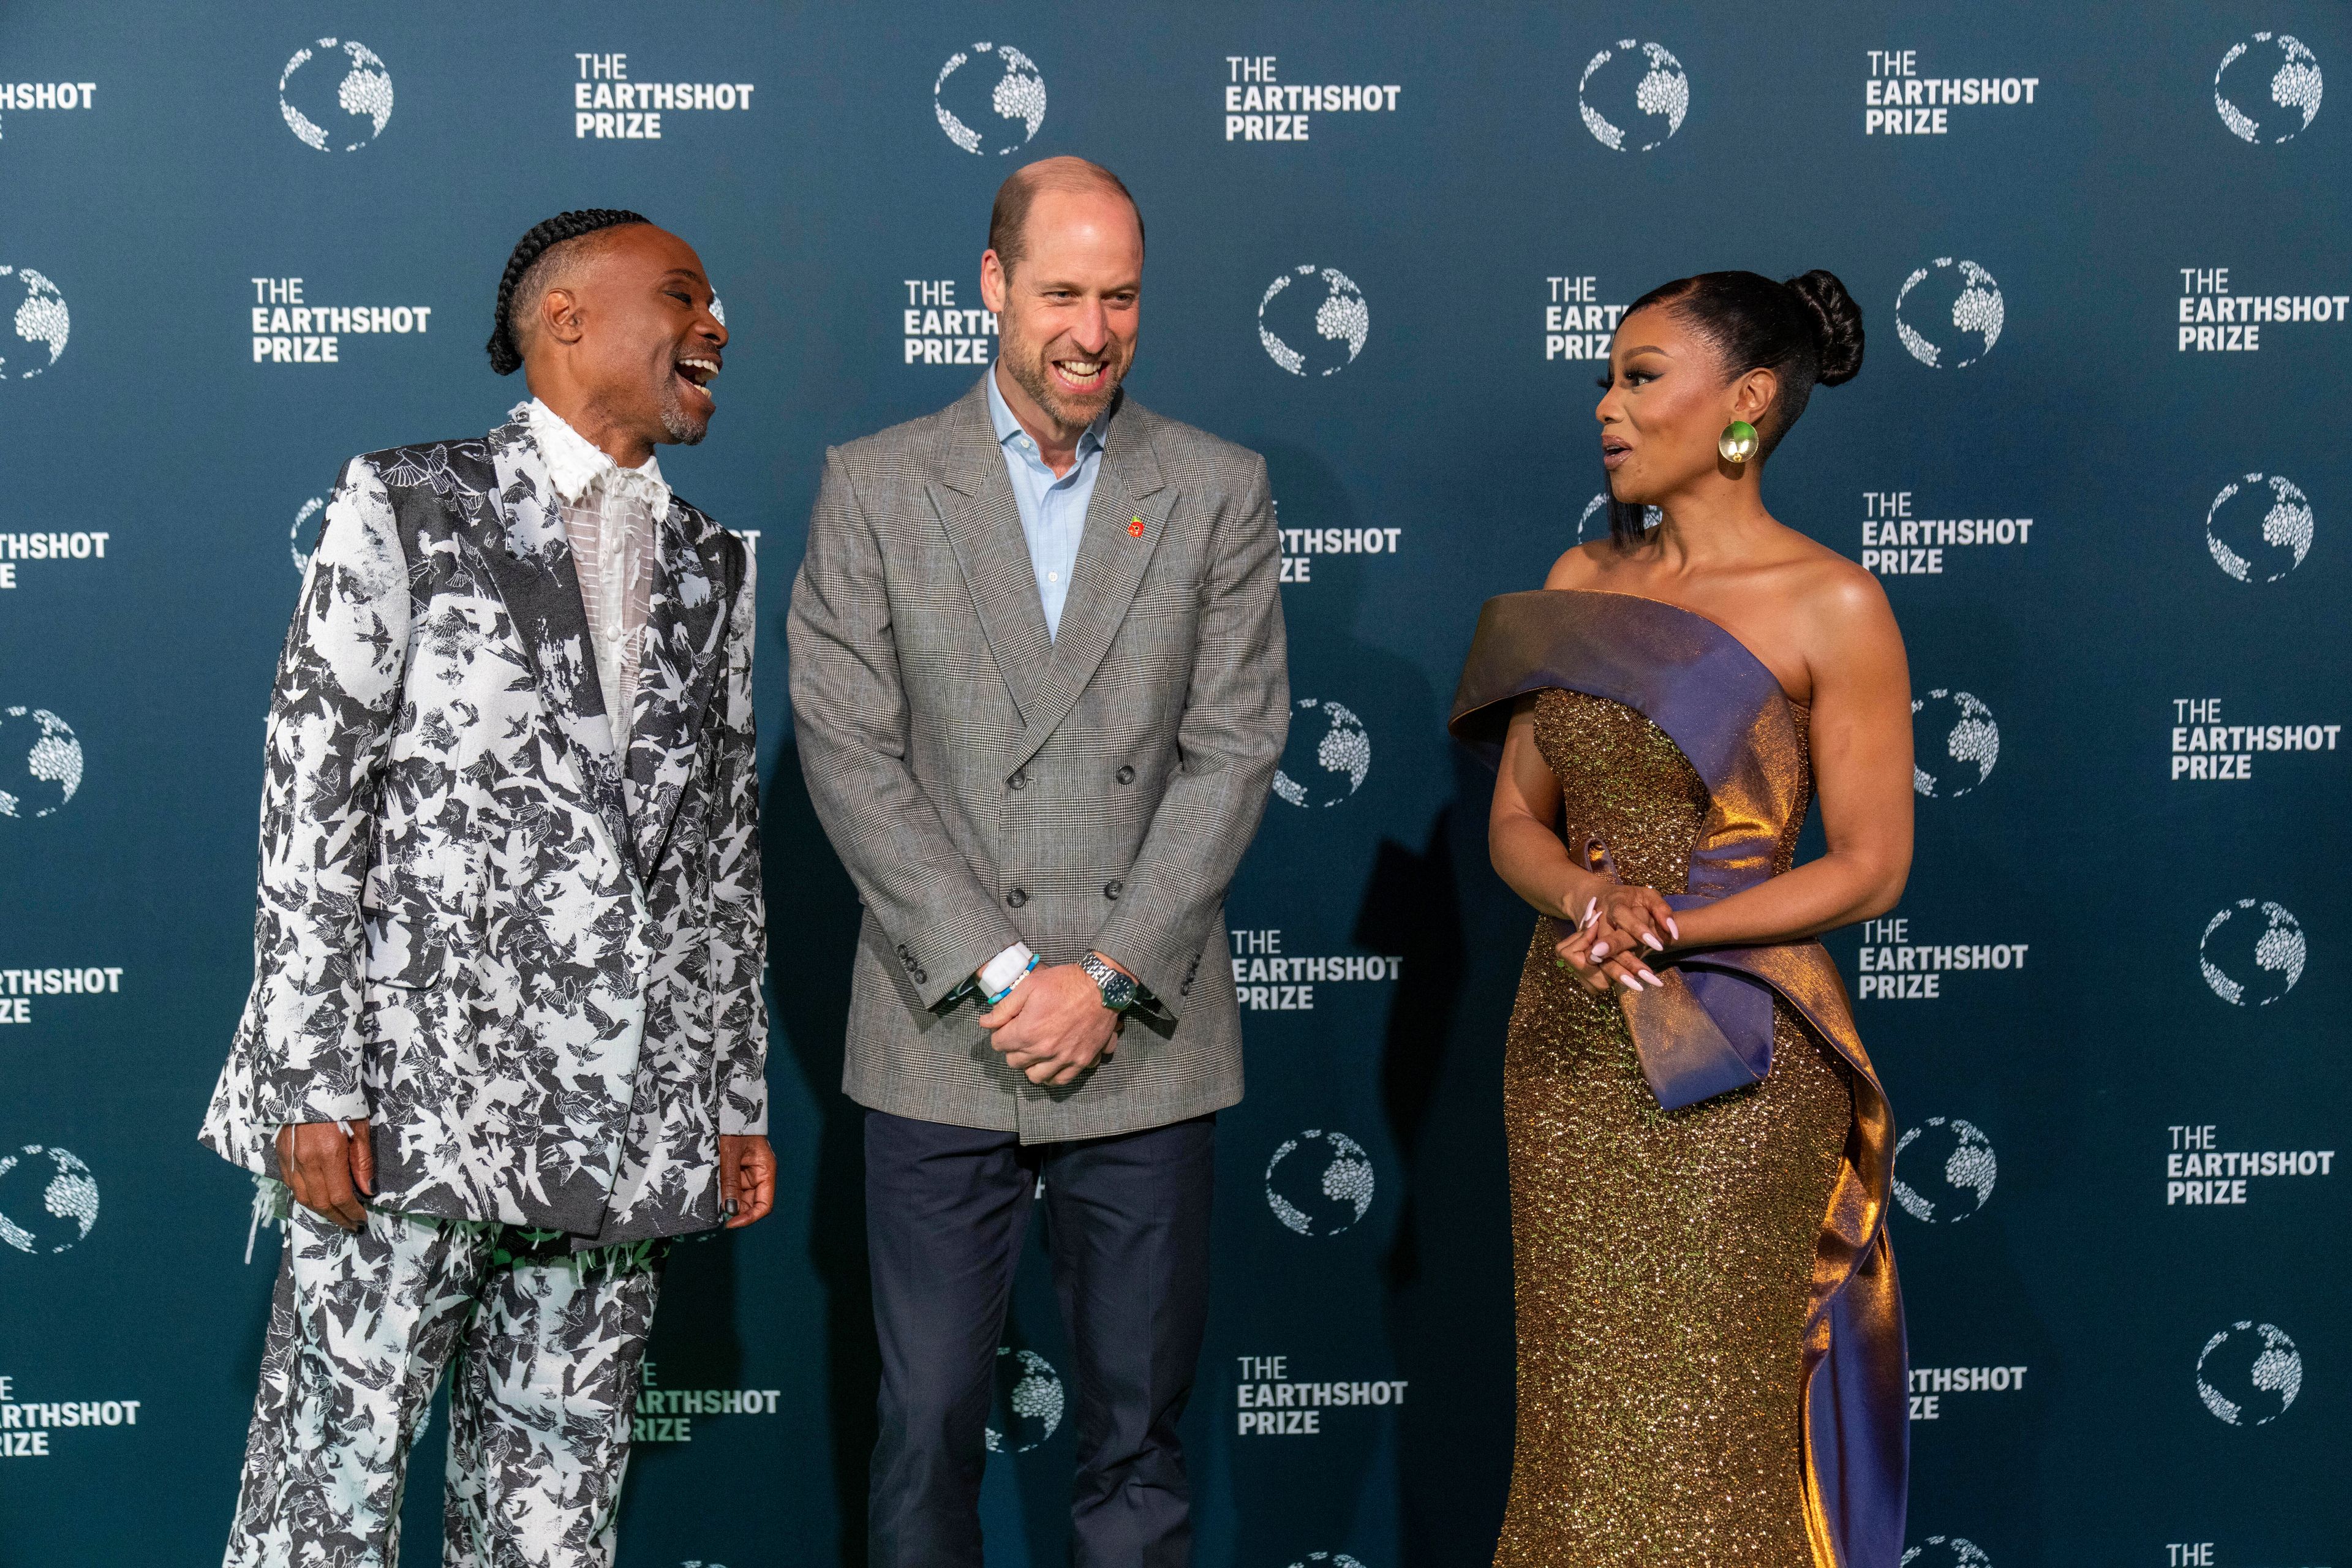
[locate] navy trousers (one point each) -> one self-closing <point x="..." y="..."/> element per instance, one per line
<point x="1126" y="1221"/>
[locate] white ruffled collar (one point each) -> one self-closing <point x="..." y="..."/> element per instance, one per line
<point x="576" y="465"/>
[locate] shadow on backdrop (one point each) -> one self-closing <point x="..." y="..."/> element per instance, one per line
<point x="814" y="915"/>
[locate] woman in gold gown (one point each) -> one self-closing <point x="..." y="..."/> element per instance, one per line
<point x="1711" y="1362"/>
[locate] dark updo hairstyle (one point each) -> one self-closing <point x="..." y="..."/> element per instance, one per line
<point x="1807" y="331"/>
<point x="506" y="352"/>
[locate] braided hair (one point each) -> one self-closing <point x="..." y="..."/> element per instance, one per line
<point x="506" y="354"/>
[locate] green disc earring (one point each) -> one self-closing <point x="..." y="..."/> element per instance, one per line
<point x="1738" y="443"/>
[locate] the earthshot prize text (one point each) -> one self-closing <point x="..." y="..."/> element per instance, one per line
<point x="1268" y="1405"/>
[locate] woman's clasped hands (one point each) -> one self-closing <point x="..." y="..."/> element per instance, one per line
<point x="1617" y="928"/>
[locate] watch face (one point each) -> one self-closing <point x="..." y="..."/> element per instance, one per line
<point x="1117" y="989"/>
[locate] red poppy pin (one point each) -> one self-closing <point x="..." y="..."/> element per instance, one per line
<point x="1135" y="528"/>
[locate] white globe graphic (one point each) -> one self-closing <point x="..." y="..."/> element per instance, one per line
<point x="1633" y="96"/>
<point x="301" y="539"/>
<point x="1944" y="1171"/>
<point x="1593" y="524"/>
<point x="1954" y="743"/>
<point x="41" y="319"/>
<point x="1947" y="1552"/>
<point x="319" y="106"/>
<point x="1949" y="308"/>
<point x="1327" y="758"/>
<point x="1319" y="1183"/>
<point x="1307" y="330"/>
<point x="2252" y="952"/>
<point x="40" y="762"/>
<point x="2259" y="528"/>
<point x="48" y="1200"/>
<point x="2248" y="1373"/>
<point x="1027" y="1404"/>
<point x="1329" y="1559"/>
<point x="2267" y="89"/>
<point x="995" y="106"/>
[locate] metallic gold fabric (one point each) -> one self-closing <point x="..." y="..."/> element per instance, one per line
<point x="1665" y="1261"/>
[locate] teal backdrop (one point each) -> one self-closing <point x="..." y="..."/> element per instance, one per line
<point x="2097" y="452"/>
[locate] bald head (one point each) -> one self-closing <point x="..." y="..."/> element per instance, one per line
<point x="1010" y="218"/>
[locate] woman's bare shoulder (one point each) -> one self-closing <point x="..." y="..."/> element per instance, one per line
<point x="1582" y="567"/>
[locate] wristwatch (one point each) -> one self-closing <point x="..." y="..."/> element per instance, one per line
<point x="1117" y="990"/>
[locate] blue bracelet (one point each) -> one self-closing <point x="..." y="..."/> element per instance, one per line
<point x="992" y="1001"/>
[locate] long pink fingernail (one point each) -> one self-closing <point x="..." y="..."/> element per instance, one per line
<point x="1653" y="979"/>
<point x="1655" y="945"/>
<point x="1599" y="951"/>
<point x="1631" y="983"/>
<point x="1673" y="929"/>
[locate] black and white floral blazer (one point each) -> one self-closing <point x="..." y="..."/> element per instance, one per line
<point x="538" y="973"/>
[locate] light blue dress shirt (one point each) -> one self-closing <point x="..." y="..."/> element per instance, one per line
<point x="1052" y="507"/>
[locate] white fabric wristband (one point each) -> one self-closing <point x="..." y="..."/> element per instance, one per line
<point x="1005" y="968"/>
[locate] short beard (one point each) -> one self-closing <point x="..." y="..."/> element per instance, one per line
<point x="1030" y="374"/>
<point x="682" y="427"/>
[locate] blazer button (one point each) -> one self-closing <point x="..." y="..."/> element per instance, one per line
<point x="1016" y="898"/>
<point x="1113" y="889"/>
<point x="921" y="978"/>
<point x="1125" y="776"/>
<point x="1020" y="779"/>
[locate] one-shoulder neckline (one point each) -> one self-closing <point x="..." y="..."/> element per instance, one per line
<point x="1729" y="635"/>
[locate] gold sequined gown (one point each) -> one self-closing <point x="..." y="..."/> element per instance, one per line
<point x="1663" y="1258"/>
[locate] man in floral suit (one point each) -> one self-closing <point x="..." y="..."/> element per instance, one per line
<point x="506" y="1035"/>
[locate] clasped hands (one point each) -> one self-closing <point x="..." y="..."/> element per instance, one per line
<point x="1054" y="1027"/>
<point x="330" y="1171"/>
<point x="1616" y="927"/>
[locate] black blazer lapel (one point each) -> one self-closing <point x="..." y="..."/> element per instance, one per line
<point x="1113" y="553"/>
<point x="974" y="501"/>
<point x="518" y="538"/>
<point x="685" y="622"/>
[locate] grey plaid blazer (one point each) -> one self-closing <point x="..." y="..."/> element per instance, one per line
<point x="985" y="783"/>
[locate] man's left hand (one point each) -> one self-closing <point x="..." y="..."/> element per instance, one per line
<point x="1054" y="1027"/>
<point x="747" y="1177"/>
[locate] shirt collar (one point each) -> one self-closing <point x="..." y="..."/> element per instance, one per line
<point x="1008" y="428"/>
<point x="576" y="465"/>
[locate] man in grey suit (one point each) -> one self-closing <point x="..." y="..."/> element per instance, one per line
<point x="1037" y="670"/>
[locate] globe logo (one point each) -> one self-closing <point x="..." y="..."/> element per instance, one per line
<point x="48" y="1200"/>
<point x="1319" y="1183"/>
<point x="1947" y="1552"/>
<point x="1594" y="521"/>
<point x="311" y="104"/>
<point x="2259" y="525"/>
<point x="42" y="321"/>
<point x="2248" y="1373"/>
<point x="2267" y="89"/>
<point x="982" y="115"/>
<point x="1026" y="1407"/>
<point x="1954" y="743"/>
<point x="1329" y="746"/>
<point x="1334" y="1559"/>
<point x="296" y="547"/>
<point x="1637" y="84"/>
<point x="2252" y="954"/>
<point x="1340" y="318"/>
<point x="1948" y="302"/>
<point x="1949" y="1173"/>
<point x="40" y="762"/>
